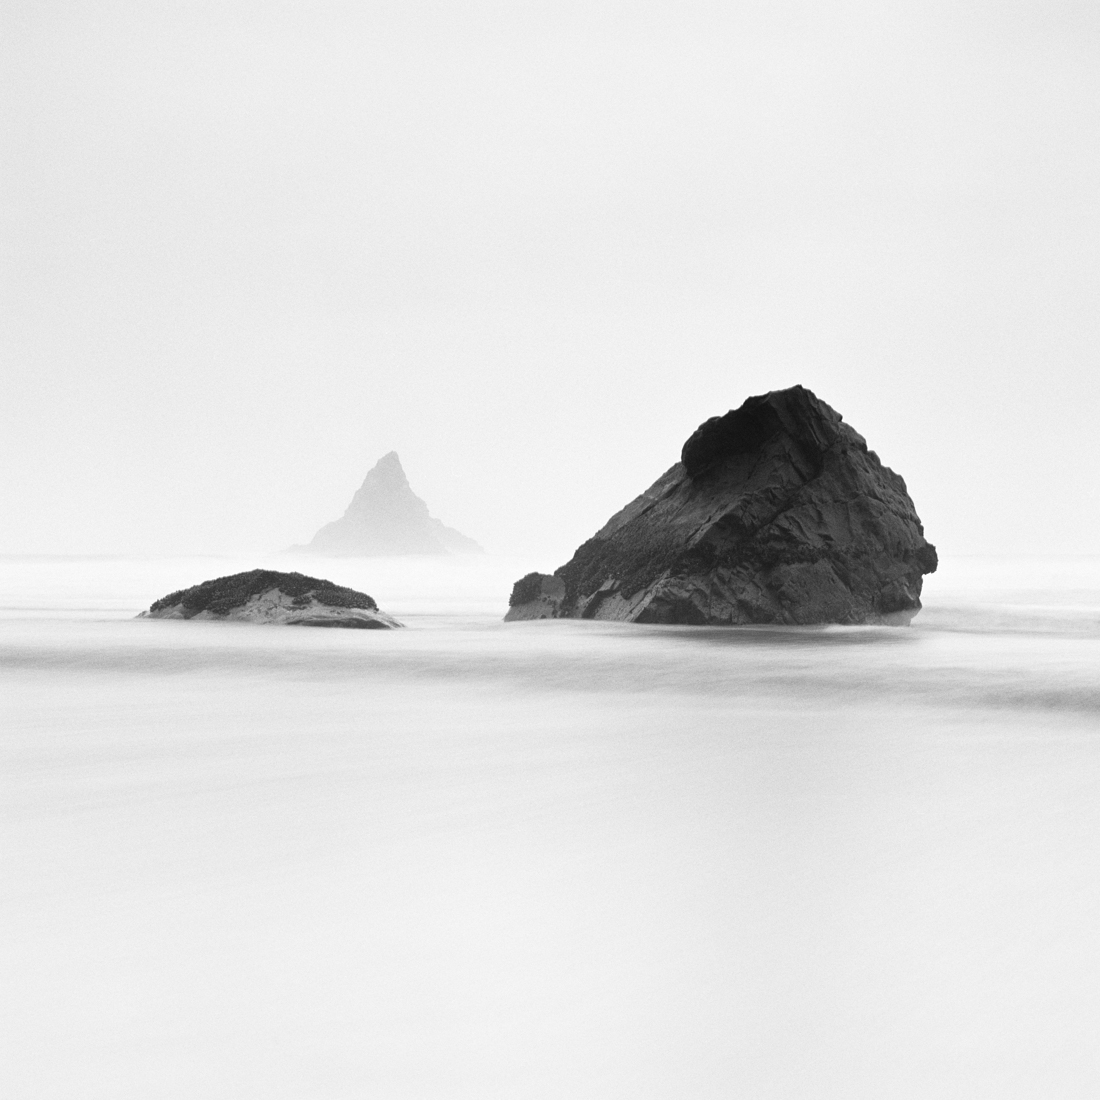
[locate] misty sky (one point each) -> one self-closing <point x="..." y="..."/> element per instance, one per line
<point x="249" y="248"/>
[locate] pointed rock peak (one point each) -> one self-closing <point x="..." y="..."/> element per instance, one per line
<point x="388" y="468"/>
<point x="385" y="517"/>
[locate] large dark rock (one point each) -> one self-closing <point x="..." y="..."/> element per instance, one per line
<point x="385" y="517"/>
<point x="776" y="513"/>
<point x="268" y="596"/>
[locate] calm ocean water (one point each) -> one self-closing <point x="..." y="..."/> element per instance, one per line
<point x="548" y="860"/>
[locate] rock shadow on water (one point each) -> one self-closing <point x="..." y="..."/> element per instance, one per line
<point x="823" y="636"/>
<point x="758" y="636"/>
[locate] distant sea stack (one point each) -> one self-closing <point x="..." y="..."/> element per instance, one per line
<point x="385" y="517"/>
<point x="267" y="596"/>
<point x="776" y="513"/>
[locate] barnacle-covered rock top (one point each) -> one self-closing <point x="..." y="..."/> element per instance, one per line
<point x="268" y="596"/>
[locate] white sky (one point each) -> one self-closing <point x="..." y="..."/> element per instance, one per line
<point x="249" y="248"/>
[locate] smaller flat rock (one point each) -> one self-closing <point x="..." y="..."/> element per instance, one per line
<point x="270" y="597"/>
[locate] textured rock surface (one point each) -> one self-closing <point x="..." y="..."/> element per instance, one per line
<point x="385" y="517"/>
<point x="267" y="596"/>
<point x="776" y="513"/>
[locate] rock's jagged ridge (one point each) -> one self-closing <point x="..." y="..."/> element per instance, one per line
<point x="385" y="517"/>
<point x="268" y="596"/>
<point x="776" y="513"/>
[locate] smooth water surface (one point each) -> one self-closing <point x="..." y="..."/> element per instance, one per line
<point x="470" y="859"/>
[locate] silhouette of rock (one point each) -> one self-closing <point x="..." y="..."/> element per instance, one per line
<point x="776" y="513"/>
<point x="267" y="596"/>
<point x="385" y="517"/>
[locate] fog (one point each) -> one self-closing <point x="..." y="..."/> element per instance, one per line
<point x="251" y="248"/>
